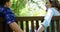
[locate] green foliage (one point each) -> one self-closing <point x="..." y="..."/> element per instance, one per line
<point x="17" y="6"/>
<point x="23" y="8"/>
<point x="28" y="7"/>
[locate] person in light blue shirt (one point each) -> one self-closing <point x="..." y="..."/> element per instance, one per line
<point x="53" y="8"/>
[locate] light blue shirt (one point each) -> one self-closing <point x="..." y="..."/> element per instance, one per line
<point x="50" y="13"/>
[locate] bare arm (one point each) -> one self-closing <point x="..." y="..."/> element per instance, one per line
<point x="40" y="29"/>
<point x="47" y="20"/>
<point x="15" y="27"/>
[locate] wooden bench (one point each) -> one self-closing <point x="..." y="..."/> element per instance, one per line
<point x="55" y="24"/>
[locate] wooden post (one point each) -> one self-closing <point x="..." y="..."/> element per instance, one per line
<point x="32" y="26"/>
<point x="27" y="26"/>
<point x="37" y="24"/>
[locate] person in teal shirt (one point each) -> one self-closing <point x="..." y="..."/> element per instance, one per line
<point x="7" y="13"/>
<point x="53" y="8"/>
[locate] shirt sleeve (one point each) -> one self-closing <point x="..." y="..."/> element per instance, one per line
<point x="47" y="18"/>
<point x="9" y="16"/>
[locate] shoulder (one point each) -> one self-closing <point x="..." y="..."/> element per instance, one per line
<point x="52" y="10"/>
<point x="4" y="9"/>
<point x="7" y="10"/>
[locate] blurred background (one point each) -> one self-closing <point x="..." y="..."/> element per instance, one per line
<point x="24" y="8"/>
<point x="28" y="7"/>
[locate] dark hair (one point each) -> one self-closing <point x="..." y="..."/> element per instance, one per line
<point x="55" y="4"/>
<point x="2" y="2"/>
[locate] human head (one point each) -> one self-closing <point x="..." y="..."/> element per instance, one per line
<point x="5" y="3"/>
<point x="53" y="3"/>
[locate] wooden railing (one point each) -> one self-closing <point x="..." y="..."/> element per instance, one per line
<point x="54" y="27"/>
